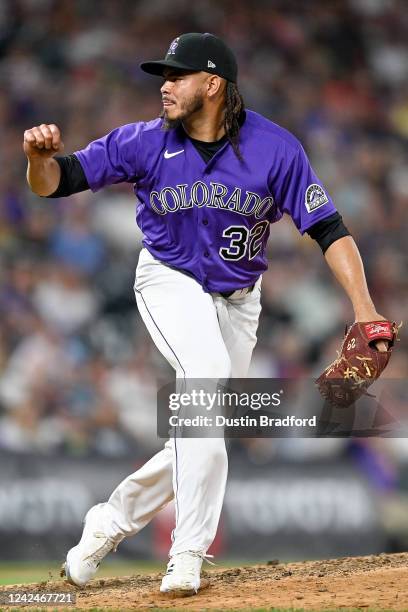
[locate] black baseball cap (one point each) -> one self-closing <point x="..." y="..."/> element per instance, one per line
<point x="196" y="52"/>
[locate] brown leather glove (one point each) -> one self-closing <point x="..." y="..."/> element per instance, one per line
<point x="359" y="363"/>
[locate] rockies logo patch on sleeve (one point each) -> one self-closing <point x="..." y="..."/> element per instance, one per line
<point x="315" y="197"/>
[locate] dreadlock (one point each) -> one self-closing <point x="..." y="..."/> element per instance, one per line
<point x="234" y="107"/>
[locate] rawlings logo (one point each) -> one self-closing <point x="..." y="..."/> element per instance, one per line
<point x="378" y="330"/>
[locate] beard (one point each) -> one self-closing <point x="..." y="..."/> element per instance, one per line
<point x="188" y="108"/>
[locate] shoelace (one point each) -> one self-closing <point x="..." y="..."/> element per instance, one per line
<point x="207" y="559"/>
<point x="97" y="556"/>
<point x="184" y="561"/>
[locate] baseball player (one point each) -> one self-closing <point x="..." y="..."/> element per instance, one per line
<point x="210" y="177"/>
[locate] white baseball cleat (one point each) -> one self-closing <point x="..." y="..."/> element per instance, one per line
<point x="83" y="560"/>
<point x="183" y="574"/>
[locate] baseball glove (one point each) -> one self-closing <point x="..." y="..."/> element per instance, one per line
<point x="358" y="363"/>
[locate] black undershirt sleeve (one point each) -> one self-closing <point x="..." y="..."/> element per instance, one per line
<point x="328" y="230"/>
<point x="73" y="179"/>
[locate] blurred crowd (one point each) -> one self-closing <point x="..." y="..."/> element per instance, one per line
<point x="78" y="372"/>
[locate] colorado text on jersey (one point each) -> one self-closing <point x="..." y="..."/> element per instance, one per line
<point x="180" y="197"/>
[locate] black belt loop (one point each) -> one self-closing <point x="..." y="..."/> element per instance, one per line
<point x="227" y="294"/>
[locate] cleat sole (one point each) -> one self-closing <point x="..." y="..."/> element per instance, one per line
<point x="176" y="593"/>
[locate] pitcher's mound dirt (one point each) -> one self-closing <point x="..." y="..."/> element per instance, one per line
<point x="377" y="581"/>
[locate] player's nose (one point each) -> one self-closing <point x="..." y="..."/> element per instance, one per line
<point x="166" y="87"/>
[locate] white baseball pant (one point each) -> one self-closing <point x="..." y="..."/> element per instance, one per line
<point x="201" y="335"/>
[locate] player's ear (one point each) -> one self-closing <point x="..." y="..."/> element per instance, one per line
<point x="214" y="85"/>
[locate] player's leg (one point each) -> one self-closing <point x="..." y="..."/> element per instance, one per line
<point x="183" y="322"/>
<point x="238" y="321"/>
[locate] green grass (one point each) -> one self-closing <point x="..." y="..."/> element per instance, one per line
<point x="23" y="573"/>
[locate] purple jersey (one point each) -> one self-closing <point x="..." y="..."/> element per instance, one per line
<point x="212" y="219"/>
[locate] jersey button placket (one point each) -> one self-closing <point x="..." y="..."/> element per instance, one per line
<point x="206" y="251"/>
<point x="205" y="245"/>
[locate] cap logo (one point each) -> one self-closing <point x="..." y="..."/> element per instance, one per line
<point x="173" y="46"/>
<point x="211" y="64"/>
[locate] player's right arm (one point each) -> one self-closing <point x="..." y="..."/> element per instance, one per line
<point x="41" y="144"/>
<point x="114" y="158"/>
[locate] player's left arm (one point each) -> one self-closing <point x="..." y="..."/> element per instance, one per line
<point x="301" y="195"/>
<point x="344" y="260"/>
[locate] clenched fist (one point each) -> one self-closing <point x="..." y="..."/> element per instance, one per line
<point x="43" y="141"/>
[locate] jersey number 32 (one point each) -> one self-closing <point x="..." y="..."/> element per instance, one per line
<point x="243" y="241"/>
